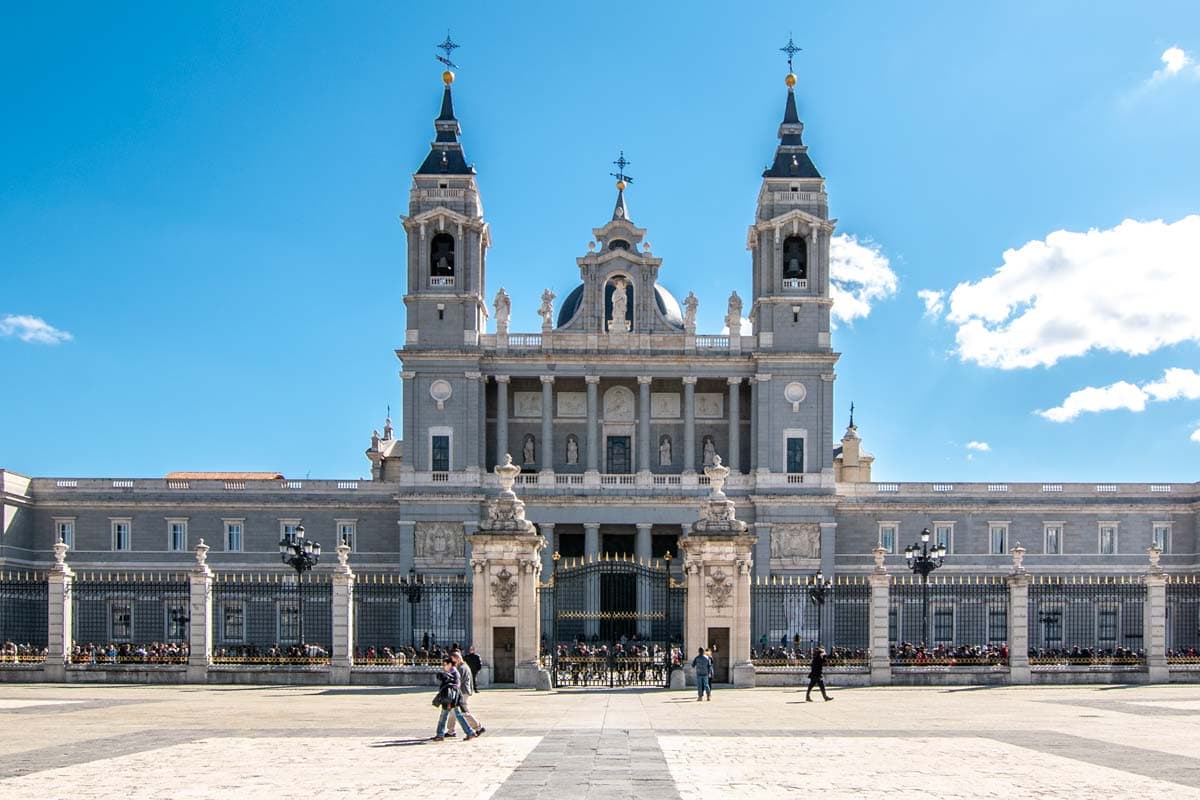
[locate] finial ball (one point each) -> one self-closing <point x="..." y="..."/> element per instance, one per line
<point x="790" y="80"/>
<point x="448" y="77"/>
<point x="621" y="185"/>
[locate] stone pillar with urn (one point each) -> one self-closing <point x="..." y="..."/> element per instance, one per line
<point x="1018" y="619"/>
<point x="1154" y="619"/>
<point x="342" y="656"/>
<point x="200" y="617"/>
<point x="717" y="567"/>
<point x="59" y="642"/>
<point x="507" y="567"/>
<point x="879" y="653"/>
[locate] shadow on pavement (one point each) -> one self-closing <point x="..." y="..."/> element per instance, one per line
<point x="401" y="743"/>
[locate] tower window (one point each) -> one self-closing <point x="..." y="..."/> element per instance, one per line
<point x="618" y="244"/>
<point x="441" y="256"/>
<point x="795" y="257"/>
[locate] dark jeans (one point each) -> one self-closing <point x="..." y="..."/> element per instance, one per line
<point x="703" y="685"/>
<point x="816" y="680"/>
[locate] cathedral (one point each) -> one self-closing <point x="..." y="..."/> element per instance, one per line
<point x="612" y="410"/>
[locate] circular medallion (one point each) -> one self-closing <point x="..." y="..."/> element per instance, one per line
<point x="440" y="391"/>
<point x="795" y="393"/>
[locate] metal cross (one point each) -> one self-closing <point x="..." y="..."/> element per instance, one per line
<point x="449" y="47"/>
<point x="621" y="163"/>
<point x="851" y="414"/>
<point x="791" y="50"/>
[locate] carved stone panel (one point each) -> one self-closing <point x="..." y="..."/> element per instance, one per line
<point x="664" y="405"/>
<point x="527" y="404"/>
<point x="710" y="405"/>
<point x="618" y="404"/>
<point x="572" y="404"/>
<point x="438" y="545"/>
<point x="718" y="588"/>
<point x="795" y="544"/>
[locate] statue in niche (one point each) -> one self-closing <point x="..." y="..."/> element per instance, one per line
<point x="710" y="451"/>
<point x="664" y="451"/>
<point x="527" y="449"/>
<point x="572" y="449"/>
<point x="690" y="304"/>
<point x="618" y="323"/>
<point x="503" y="307"/>
<point x="547" y="308"/>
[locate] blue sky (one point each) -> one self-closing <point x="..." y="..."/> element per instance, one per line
<point x="206" y="201"/>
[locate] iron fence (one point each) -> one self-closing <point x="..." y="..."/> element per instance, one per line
<point x="402" y="621"/>
<point x="790" y="616"/>
<point x="1086" y="620"/>
<point x="130" y="618"/>
<point x="948" y="620"/>
<point x="272" y="618"/>
<point x="23" y="617"/>
<point x="1183" y="619"/>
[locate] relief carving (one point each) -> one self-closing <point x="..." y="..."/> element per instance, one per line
<point x="438" y="544"/>
<point x="718" y="588"/>
<point x="664" y="405"/>
<point x="504" y="590"/>
<point x="527" y="404"/>
<point x="710" y="405"/>
<point x="795" y="541"/>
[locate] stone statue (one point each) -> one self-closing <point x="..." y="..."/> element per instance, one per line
<point x="374" y="441"/>
<point x="617" y="323"/>
<point x="664" y="451"/>
<point x="690" y="304"/>
<point x="733" y="319"/>
<point x="710" y="451"/>
<point x="572" y="449"/>
<point x="503" y="306"/>
<point x="547" y="308"/>
<point x="527" y="449"/>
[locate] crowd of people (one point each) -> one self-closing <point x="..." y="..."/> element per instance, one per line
<point x="424" y="655"/>
<point x="919" y="654"/>
<point x="14" y="653"/>
<point x="275" y="652"/>
<point x="1086" y="655"/>
<point x="782" y="655"/>
<point x="130" y="653"/>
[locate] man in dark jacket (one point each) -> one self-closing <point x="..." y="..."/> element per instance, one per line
<point x="703" y="665"/>
<point x="816" y="674"/>
<point x="474" y="663"/>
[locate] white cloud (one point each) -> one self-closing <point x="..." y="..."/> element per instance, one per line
<point x="1128" y="289"/>
<point x="1195" y="437"/>
<point x="934" y="301"/>
<point x="1175" y="62"/>
<point x="747" y="327"/>
<point x="32" y="329"/>
<point x="859" y="275"/>
<point x="981" y="447"/>
<point x="1175" y="383"/>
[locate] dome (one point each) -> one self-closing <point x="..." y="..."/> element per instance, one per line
<point x="668" y="306"/>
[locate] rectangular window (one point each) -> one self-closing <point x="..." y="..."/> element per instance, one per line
<point x="998" y="538"/>
<point x="795" y="454"/>
<point x="997" y="624"/>
<point x="64" y="531"/>
<point x="121" y="538"/>
<point x="289" y="624"/>
<point x="439" y="457"/>
<point x="233" y="624"/>
<point x="943" y="625"/>
<point x="893" y="625"/>
<point x="1054" y="538"/>
<point x="1108" y="538"/>
<point x="287" y="527"/>
<point x="1160" y="536"/>
<point x="177" y="620"/>
<point x="233" y="535"/>
<point x="888" y="536"/>
<point x="121" y="616"/>
<point x="177" y="535"/>
<point x="943" y="534"/>
<point x="345" y="532"/>
<point x="1106" y="625"/>
<point x="1050" y="620"/>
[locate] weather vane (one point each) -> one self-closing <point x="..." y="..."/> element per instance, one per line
<point x="449" y="47"/>
<point x="790" y="48"/>
<point x="621" y="163"/>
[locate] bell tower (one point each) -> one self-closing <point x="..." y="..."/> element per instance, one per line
<point x="447" y="239"/>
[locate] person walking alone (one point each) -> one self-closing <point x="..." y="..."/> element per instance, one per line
<point x="466" y="688"/>
<point x="816" y="674"/>
<point x="704" y="669"/>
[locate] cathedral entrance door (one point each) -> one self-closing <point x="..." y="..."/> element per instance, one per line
<point x="618" y="455"/>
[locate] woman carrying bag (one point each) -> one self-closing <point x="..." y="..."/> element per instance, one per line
<point x="447" y="700"/>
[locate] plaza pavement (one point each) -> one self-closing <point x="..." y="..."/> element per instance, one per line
<point x="101" y="741"/>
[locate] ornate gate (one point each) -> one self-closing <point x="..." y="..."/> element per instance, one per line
<point x="612" y="621"/>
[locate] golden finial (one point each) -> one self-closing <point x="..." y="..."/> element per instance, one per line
<point x="790" y="80"/>
<point x="448" y="78"/>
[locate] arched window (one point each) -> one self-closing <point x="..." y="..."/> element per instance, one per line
<point x="618" y="244"/>
<point x="441" y="256"/>
<point x="795" y="257"/>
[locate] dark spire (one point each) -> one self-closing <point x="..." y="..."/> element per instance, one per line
<point x="446" y="154"/>
<point x="791" y="157"/>
<point x="619" y="210"/>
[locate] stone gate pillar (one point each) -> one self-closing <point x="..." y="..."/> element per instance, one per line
<point x="505" y="613"/>
<point x="342" y="656"/>
<point x="1154" y="620"/>
<point x="1018" y="619"/>
<point x="877" y="623"/>
<point x="59" y="622"/>
<point x="718" y="559"/>
<point x="200" y="617"/>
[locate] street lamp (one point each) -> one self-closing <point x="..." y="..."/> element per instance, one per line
<point x="817" y="593"/>
<point x="301" y="555"/>
<point x="923" y="560"/>
<point x="412" y="593"/>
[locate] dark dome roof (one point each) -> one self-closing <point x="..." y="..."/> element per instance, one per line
<point x="668" y="306"/>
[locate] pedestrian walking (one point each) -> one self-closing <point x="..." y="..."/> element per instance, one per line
<point x="475" y="663"/>
<point x="447" y="699"/>
<point x="466" y="688"/>
<point x="703" y="666"/>
<point x="816" y="674"/>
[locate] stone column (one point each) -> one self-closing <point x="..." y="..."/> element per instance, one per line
<point x="735" y="425"/>
<point x="408" y="427"/>
<point x="593" y="422"/>
<point x="644" y="423"/>
<point x="717" y="566"/>
<point x="474" y="434"/>
<point x="1018" y="620"/>
<point x="645" y="591"/>
<point x="342" y="655"/>
<point x="506" y="562"/>
<point x="828" y="548"/>
<point x="405" y="548"/>
<point x="689" y="425"/>
<point x="200" y="617"/>
<point x="546" y="467"/>
<point x="1154" y="620"/>
<point x="502" y="382"/>
<point x="753" y="425"/>
<point x="763" y="431"/>
<point x="59" y="626"/>
<point x="762" y="549"/>
<point x="880" y="655"/>
<point x="547" y="531"/>
<point x="591" y="552"/>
